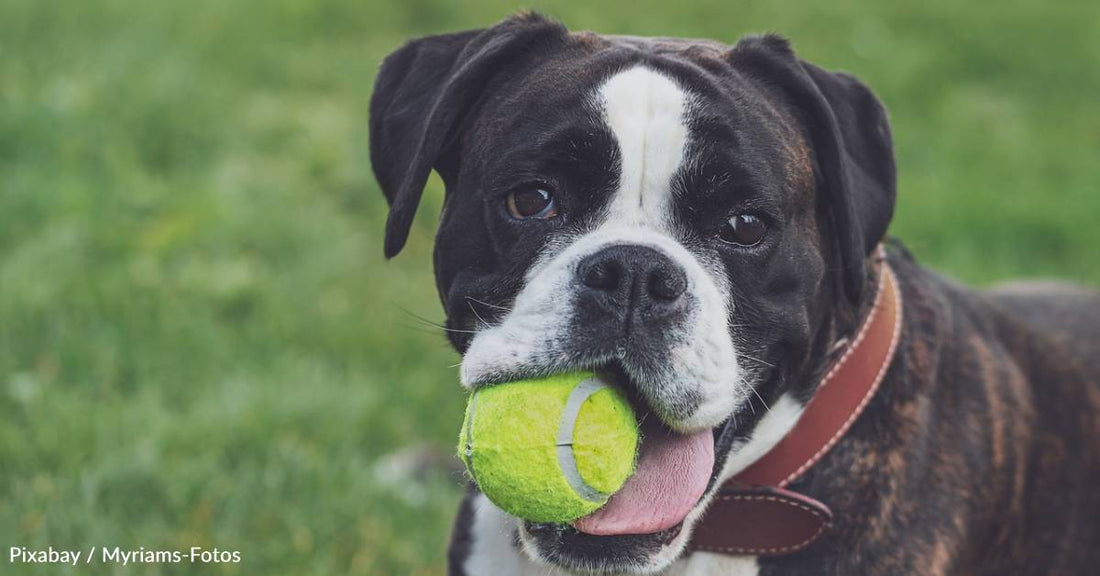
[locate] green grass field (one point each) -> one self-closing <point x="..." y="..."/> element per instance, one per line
<point x="200" y="343"/>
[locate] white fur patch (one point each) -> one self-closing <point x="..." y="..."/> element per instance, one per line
<point x="773" y="426"/>
<point x="645" y="111"/>
<point x="707" y="564"/>
<point x="491" y="549"/>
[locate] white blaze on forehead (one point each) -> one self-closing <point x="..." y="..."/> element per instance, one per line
<point x="646" y="112"/>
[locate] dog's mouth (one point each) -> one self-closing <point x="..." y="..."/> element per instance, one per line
<point x="671" y="477"/>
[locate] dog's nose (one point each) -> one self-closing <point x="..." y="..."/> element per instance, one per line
<point x="629" y="279"/>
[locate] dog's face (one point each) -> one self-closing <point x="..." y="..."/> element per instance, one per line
<point x="690" y="219"/>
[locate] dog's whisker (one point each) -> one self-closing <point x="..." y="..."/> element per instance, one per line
<point x="419" y="318"/>
<point x="761" y="398"/>
<point x="427" y="322"/>
<point x="418" y="329"/>
<point x="483" y="303"/>
<point x="747" y="357"/>
<point x="438" y="327"/>
<point x="474" y="310"/>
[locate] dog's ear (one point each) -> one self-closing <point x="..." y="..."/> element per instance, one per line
<point x="851" y="138"/>
<point x="421" y="96"/>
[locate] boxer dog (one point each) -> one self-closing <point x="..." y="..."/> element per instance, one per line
<point x="699" y="221"/>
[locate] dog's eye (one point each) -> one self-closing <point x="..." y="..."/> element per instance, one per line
<point x="532" y="202"/>
<point x="745" y="229"/>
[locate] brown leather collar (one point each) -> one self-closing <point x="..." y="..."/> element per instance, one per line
<point x="753" y="513"/>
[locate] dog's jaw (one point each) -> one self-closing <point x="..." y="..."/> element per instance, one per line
<point x="500" y="544"/>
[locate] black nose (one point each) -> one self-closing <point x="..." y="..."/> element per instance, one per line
<point x="632" y="281"/>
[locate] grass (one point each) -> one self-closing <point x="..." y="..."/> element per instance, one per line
<point x="200" y="344"/>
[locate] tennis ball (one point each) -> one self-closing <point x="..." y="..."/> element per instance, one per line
<point x="549" y="449"/>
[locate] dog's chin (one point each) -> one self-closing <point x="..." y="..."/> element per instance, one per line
<point x="568" y="548"/>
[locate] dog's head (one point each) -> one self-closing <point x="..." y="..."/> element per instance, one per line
<point x="693" y="219"/>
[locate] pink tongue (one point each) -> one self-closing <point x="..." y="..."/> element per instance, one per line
<point x="671" y="475"/>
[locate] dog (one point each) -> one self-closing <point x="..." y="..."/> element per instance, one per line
<point x="701" y="222"/>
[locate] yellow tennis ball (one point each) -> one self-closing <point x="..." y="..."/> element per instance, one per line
<point x="549" y="449"/>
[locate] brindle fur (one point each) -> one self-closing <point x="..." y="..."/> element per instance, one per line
<point x="981" y="452"/>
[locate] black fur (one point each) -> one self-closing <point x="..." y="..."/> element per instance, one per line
<point x="421" y="95"/>
<point x="851" y="140"/>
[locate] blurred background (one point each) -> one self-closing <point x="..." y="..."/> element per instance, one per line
<point x="200" y="343"/>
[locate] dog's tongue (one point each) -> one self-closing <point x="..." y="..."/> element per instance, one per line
<point x="671" y="475"/>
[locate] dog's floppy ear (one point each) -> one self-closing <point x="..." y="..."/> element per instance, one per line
<point x="421" y="96"/>
<point x="852" y="142"/>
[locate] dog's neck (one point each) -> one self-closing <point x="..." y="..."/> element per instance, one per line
<point x="784" y="447"/>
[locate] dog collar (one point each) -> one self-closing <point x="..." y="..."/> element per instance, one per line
<point x="753" y="513"/>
